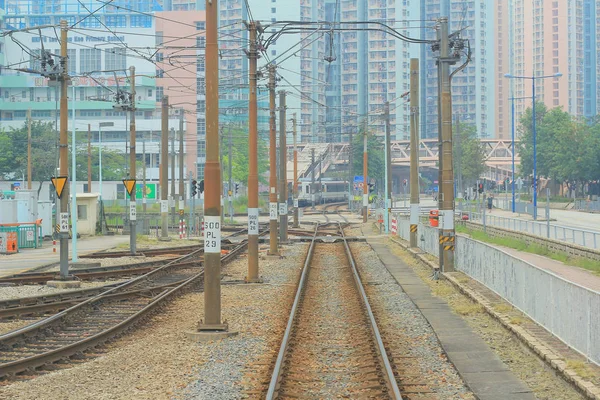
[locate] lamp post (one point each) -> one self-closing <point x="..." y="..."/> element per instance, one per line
<point x="533" y="78"/>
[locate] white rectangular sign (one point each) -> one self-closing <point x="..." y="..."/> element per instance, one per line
<point x="64" y="222"/>
<point x="253" y="221"/>
<point x="132" y="211"/>
<point x="283" y="209"/>
<point x="273" y="211"/>
<point x="181" y="204"/>
<point x="212" y="234"/>
<point x="365" y="200"/>
<point x="296" y="203"/>
<point x="164" y="206"/>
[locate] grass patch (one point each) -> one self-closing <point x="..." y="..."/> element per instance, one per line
<point x="580" y="368"/>
<point x="441" y="289"/>
<point x="590" y="265"/>
<point x="467" y="307"/>
<point x="503" y="308"/>
<point x="517" y="320"/>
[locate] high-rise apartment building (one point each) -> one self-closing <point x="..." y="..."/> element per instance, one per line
<point x="473" y="89"/>
<point x="374" y="67"/>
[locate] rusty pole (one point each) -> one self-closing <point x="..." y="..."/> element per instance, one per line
<point x="64" y="150"/>
<point x="283" y="195"/>
<point x="212" y="180"/>
<point x="296" y="220"/>
<point x="132" y="169"/>
<point x="273" y="165"/>
<point x="164" y="165"/>
<point x="365" y="181"/>
<point x="414" y="150"/>
<point x="181" y="180"/>
<point x="253" y="161"/>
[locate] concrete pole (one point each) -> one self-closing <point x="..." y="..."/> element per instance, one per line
<point x="350" y="174"/>
<point x="283" y="192"/>
<point x="296" y="220"/>
<point x="64" y="151"/>
<point x="312" y="179"/>
<point x="273" y="165"/>
<point x="447" y="235"/>
<point x="388" y="168"/>
<point x="221" y="164"/>
<point x="164" y="169"/>
<point x="459" y="164"/>
<point x="181" y="180"/>
<point x="144" y="176"/>
<point x="29" y="148"/>
<point x="365" y="181"/>
<point x="89" y="154"/>
<point x="132" y="166"/>
<point x="414" y="151"/>
<point x="74" y="188"/>
<point x="230" y="172"/>
<point x="253" y="161"/>
<point x="212" y="180"/>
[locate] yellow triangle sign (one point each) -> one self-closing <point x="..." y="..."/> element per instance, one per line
<point x="129" y="185"/>
<point x="59" y="183"/>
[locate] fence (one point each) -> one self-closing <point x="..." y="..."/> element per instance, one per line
<point x="587" y="205"/>
<point x="581" y="237"/>
<point x="28" y="235"/>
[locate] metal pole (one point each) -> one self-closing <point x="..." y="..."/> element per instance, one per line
<point x="388" y="169"/>
<point x="29" y="148"/>
<point x="181" y="180"/>
<point x="253" y="160"/>
<point x="459" y="148"/>
<point x="512" y="137"/>
<point x="164" y="169"/>
<point x="132" y="166"/>
<point x="212" y="180"/>
<point x="144" y="177"/>
<point x="173" y="198"/>
<point x="447" y="181"/>
<point x="365" y="181"/>
<point x="312" y="181"/>
<point x="230" y="172"/>
<point x="64" y="148"/>
<point x="89" y="158"/>
<point x="74" y="191"/>
<point x="534" y="152"/>
<point x="273" y="165"/>
<point x="102" y="217"/>
<point x="296" y="220"/>
<point x="350" y="169"/>
<point x="283" y="195"/>
<point x="548" y="213"/>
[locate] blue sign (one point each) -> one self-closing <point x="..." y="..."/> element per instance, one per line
<point x="359" y="179"/>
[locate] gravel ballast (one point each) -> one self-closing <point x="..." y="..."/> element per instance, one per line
<point x="403" y="326"/>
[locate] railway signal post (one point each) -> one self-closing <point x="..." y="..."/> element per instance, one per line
<point x="273" y="166"/>
<point x="164" y="168"/>
<point x="295" y="186"/>
<point x="283" y="197"/>
<point x="414" y="150"/>
<point x="365" y="186"/>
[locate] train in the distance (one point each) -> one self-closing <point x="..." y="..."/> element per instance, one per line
<point x="331" y="191"/>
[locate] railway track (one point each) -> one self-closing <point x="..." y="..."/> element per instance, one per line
<point x="332" y="347"/>
<point x="94" y="321"/>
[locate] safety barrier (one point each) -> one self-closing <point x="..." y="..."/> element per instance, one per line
<point x="29" y="236"/>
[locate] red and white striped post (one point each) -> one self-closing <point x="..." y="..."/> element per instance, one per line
<point x="180" y="229"/>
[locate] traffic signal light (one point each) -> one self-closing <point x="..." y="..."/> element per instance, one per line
<point x="480" y="188"/>
<point x="236" y="186"/>
<point x="201" y="186"/>
<point x="194" y="192"/>
<point x="371" y="187"/>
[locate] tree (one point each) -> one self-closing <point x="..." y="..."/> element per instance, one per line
<point x="375" y="155"/>
<point x="468" y="153"/>
<point x="240" y="158"/>
<point x="115" y="164"/>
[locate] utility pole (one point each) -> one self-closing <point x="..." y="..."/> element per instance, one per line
<point x="144" y="178"/>
<point x="273" y="165"/>
<point x="283" y="192"/>
<point x="132" y="169"/>
<point x="253" y="159"/>
<point x="388" y="167"/>
<point x="29" y="148"/>
<point x="365" y="182"/>
<point x="89" y="154"/>
<point x="212" y="327"/>
<point x="221" y="165"/>
<point x="173" y="200"/>
<point x="414" y="151"/>
<point x="459" y="150"/>
<point x="164" y="169"/>
<point x="447" y="233"/>
<point x="350" y="174"/>
<point x="312" y="177"/>
<point x="296" y="220"/>
<point x="230" y="171"/>
<point x="181" y="181"/>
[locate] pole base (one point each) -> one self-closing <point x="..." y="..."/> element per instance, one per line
<point x="64" y="284"/>
<point x="254" y="280"/>
<point x="164" y="239"/>
<point x="210" y="332"/>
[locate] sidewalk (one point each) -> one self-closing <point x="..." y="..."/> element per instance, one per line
<point x="31" y="258"/>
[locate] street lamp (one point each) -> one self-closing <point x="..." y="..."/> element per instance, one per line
<point x="533" y="78"/>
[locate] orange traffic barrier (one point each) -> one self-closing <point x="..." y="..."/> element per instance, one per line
<point x="434" y="218"/>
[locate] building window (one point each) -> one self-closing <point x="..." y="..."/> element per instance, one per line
<point x="160" y="73"/>
<point x="149" y="93"/>
<point x="159" y="93"/>
<point x="116" y="21"/>
<point x="82" y="212"/>
<point x="200" y="42"/>
<point x="115" y="59"/>
<point x="90" y="60"/>
<point x="91" y="22"/>
<point x="273" y="10"/>
<point x="159" y="38"/>
<point x="200" y="25"/>
<point x="141" y="21"/>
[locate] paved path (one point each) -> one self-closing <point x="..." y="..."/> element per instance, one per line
<point x="485" y="374"/>
<point x="31" y="258"/>
<point x="576" y="275"/>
